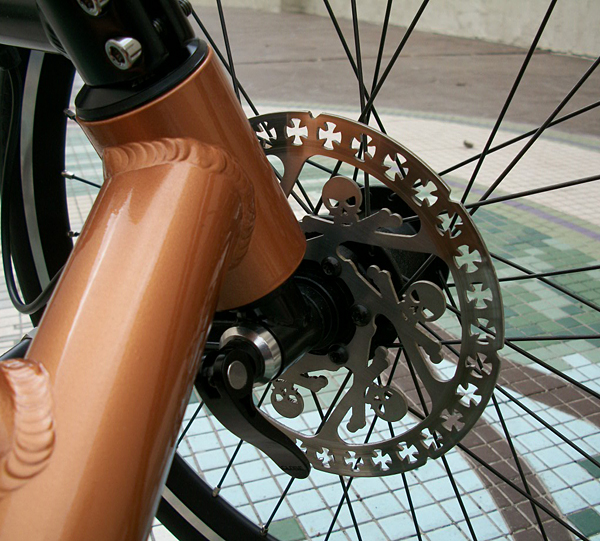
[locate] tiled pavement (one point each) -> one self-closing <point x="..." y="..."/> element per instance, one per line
<point x="545" y="232"/>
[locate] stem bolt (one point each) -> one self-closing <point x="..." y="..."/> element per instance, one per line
<point x="331" y="266"/>
<point x="123" y="52"/>
<point x="360" y="315"/>
<point x="92" y="7"/>
<point x="338" y="354"/>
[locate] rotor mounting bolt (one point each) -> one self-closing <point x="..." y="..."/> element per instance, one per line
<point x="360" y="315"/>
<point x="92" y="7"/>
<point x="338" y="354"/>
<point x="331" y="266"/>
<point x="123" y="52"/>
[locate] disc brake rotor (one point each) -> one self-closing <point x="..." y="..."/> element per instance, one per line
<point x="450" y="385"/>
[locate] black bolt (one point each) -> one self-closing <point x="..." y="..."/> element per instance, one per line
<point x="338" y="354"/>
<point x="360" y="315"/>
<point x="158" y="26"/>
<point x="331" y="266"/>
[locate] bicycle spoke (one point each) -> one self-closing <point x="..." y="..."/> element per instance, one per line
<point x="499" y="388"/>
<point x="562" y="272"/>
<point x="384" y="29"/>
<point x="539" y="132"/>
<point x="339" y="506"/>
<point x="223" y="60"/>
<point x="189" y="424"/>
<point x="393" y="60"/>
<point x="345" y="491"/>
<point x="334" y="401"/>
<point x="560" y="288"/>
<point x="508" y="101"/>
<point x="512" y="485"/>
<point x="534" y="191"/>
<point x="562" y="337"/>
<point x="73" y="176"/>
<point x="228" y="49"/>
<point x="517" y="462"/>
<point x="361" y="91"/>
<point x="547" y="425"/>
<point x="515" y="487"/>
<point x="412" y="507"/>
<point x="443" y="457"/>
<point x="353" y="65"/>
<point x="239" y="445"/>
<point x="265" y="527"/>
<point x="518" y="138"/>
<point x="550" y="368"/>
<point x="305" y="208"/>
<point x="306" y="197"/>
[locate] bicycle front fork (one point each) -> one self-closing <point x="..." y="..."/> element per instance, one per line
<point x="190" y="219"/>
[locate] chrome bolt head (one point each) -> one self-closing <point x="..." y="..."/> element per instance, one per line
<point x="92" y="7"/>
<point x="123" y="52"/>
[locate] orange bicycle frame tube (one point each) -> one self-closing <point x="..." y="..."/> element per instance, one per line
<point x="190" y="219"/>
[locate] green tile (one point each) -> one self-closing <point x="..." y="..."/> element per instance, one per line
<point x="550" y="327"/>
<point x="287" y="530"/>
<point x="593" y="354"/>
<point x="590" y="467"/>
<point x="524" y="309"/>
<point x="530" y="297"/>
<point x="587" y="521"/>
<point x="559" y="364"/>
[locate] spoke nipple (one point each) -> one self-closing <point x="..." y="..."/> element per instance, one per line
<point x="360" y="315"/>
<point x="216" y="491"/>
<point x="68" y="174"/>
<point x="338" y="354"/>
<point x="72" y="234"/>
<point x="331" y="266"/>
<point x="264" y="530"/>
<point x="69" y="113"/>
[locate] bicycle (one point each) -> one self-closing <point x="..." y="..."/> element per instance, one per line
<point x="357" y="264"/>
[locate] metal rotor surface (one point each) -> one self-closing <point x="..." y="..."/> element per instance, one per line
<point x="455" y="386"/>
